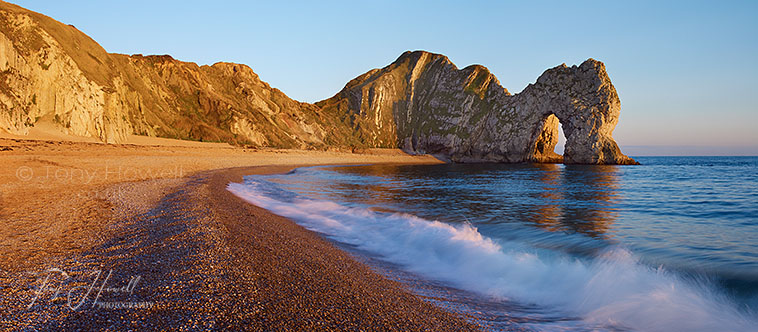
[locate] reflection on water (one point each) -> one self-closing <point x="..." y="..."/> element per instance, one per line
<point x="552" y="197"/>
<point x="575" y="198"/>
<point x="590" y="198"/>
<point x="549" y="214"/>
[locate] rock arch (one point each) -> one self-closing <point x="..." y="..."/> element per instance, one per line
<point x="464" y="115"/>
<point x="583" y="100"/>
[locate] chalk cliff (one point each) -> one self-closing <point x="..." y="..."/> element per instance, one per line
<point x="422" y="103"/>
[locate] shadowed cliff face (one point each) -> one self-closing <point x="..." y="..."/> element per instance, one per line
<point x="428" y="105"/>
<point x="422" y="103"/>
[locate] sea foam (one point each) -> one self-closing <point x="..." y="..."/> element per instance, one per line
<point x="613" y="290"/>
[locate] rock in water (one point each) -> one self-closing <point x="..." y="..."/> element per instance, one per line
<point x="424" y="104"/>
<point x="586" y="104"/>
<point x="53" y="73"/>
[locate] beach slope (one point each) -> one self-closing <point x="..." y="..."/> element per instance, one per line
<point x="134" y="237"/>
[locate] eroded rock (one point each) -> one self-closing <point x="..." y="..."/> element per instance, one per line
<point x="430" y="106"/>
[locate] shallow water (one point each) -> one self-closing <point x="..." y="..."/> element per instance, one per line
<point x="668" y="246"/>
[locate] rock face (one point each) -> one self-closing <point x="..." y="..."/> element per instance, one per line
<point x="422" y="103"/>
<point x="42" y="78"/>
<point x="52" y="72"/>
<point x="224" y="102"/>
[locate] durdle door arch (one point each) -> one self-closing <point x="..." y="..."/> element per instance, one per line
<point x="585" y="104"/>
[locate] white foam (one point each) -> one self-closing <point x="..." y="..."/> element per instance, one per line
<point x="613" y="290"/>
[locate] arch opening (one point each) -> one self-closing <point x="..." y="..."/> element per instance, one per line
<point x="561" y="146"/>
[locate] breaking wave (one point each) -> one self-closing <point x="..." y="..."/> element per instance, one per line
<point x="611" y="291"/>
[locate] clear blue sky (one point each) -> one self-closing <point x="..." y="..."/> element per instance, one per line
<point x="686" y="71"/>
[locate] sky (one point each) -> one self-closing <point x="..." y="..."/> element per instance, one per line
<point x="685" y="71"/>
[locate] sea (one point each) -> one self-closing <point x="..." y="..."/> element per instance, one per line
<point x="669" y="245"/>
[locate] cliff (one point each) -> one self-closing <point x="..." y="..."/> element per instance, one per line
<point x="424" y="104"/>
<point x="53" y="73"/>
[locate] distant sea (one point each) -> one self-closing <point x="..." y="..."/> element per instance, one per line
<point x="671" y="245"/>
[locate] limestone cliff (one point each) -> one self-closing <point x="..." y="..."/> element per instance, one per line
<point x="422" y="103"/>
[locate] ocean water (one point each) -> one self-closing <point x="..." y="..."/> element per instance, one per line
<point x="671" y="245"/>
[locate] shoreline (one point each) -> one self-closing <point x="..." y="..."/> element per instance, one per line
<point x="202" y="258"/>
